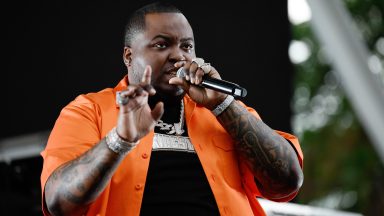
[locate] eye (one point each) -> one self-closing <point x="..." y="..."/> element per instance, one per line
<point x="160" y="45"/>
<point x="188" y="47"/>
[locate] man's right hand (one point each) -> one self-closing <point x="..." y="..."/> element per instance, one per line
<point x="136" y="119"/>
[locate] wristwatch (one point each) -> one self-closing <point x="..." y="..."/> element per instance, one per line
<point x="117" y="144"/>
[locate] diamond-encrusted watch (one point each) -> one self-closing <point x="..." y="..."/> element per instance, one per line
<point x="117" y="144"/>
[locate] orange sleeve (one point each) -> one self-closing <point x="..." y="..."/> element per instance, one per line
<point x="248" y="177"/>
<point x="76" y="130"/>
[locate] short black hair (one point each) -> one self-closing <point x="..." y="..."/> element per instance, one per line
<point x="136" y="22"/>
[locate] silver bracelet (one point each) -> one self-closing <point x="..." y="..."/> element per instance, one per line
<point x="224" y="105"/>
<point x="117" y="144"/>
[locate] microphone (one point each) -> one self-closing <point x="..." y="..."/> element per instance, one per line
<point x="218" y="85"/>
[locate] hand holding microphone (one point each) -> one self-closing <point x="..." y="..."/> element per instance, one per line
<point x="210" y="82"/>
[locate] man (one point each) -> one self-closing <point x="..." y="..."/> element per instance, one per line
<point x="160" y="144"/>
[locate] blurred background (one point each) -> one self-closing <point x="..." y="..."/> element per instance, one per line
<point x="337" y="49"/>
<point x="312" y="68"/>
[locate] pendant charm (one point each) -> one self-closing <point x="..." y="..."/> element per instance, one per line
<point x="179" y="131"/>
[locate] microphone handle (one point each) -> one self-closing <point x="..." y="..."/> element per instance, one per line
<point x="223" y="86"/>
<point x="218" y="85"/>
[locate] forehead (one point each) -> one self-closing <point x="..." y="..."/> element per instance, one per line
<point x="172" y="24"/>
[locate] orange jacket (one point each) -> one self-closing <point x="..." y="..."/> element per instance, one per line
<point x="87" y="119"/>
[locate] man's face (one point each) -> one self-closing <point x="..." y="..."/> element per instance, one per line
<point x="167" y="38"/>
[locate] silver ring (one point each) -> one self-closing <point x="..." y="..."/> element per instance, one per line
<point x="198" y="61"/>
<point x="206" y="67"/>
<point x="121" y="100"/>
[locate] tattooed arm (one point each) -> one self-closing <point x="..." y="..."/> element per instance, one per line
<point x="271" y="158"/>
<point x="74" y="185"/>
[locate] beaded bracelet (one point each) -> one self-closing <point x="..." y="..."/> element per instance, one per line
<point x="224" y="105"/>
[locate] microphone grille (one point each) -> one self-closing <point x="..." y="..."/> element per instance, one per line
<point x="180" y="73"/>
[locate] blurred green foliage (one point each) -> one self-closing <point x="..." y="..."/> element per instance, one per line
<point x="341" y="168"/>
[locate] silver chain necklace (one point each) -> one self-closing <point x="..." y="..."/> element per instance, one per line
<point x="175" y="128"/>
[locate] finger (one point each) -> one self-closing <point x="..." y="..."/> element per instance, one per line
<point x="133" y="92"/>
<point x="127" y="92"/>
<point x="147" y="75"/>
<point x="186" y="70"/>
<point x="192" y="72"/>
<point x="199" y="76"/>
<point x="139" y="91"/>
<point x="198" y="61"/>
<point x="149" y="89"/>
<point x="214" y="73"/>
<point x="179" y="64"/>
<point x="206" y="67"/>
<point x="122" y="97"/>
<point x="176" y="81"/>
<point x="180" y="82"/>
<point x="158" y="111"/>
<point x="121" y="100"/>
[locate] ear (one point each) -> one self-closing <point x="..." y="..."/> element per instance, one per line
<point x="127" y="56"/>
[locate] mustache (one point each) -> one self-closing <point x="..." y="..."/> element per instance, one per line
<point x="171" y="70"/>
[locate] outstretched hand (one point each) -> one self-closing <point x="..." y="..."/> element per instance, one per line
<point x="136" y="119"/>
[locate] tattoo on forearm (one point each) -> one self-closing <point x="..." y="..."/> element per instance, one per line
<point x="80" y="181"/>
<point x="268" y="155"/>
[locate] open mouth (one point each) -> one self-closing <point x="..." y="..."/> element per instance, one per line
<point x="172" y="71"/>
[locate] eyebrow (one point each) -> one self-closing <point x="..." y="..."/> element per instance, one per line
<point x="183" y="40"/>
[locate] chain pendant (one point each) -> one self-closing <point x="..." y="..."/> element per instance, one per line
<point x="178" y="129"/>
<point x="175" y="128"/>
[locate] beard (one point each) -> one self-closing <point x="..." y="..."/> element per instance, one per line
<point x="159" y="80"/>
<point x="134" y="77"/>
<point x="168" y="91"/>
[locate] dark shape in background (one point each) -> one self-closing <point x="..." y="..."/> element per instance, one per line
<point x="55" y="51"/>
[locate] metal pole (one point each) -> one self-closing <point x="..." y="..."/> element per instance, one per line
<point x="336" y="30"/>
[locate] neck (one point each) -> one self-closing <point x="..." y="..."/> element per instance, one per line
<point x="169" y="101"/>
<point x="172" y="107"/>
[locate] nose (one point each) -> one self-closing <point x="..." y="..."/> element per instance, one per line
<point x="177" y="54"/>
